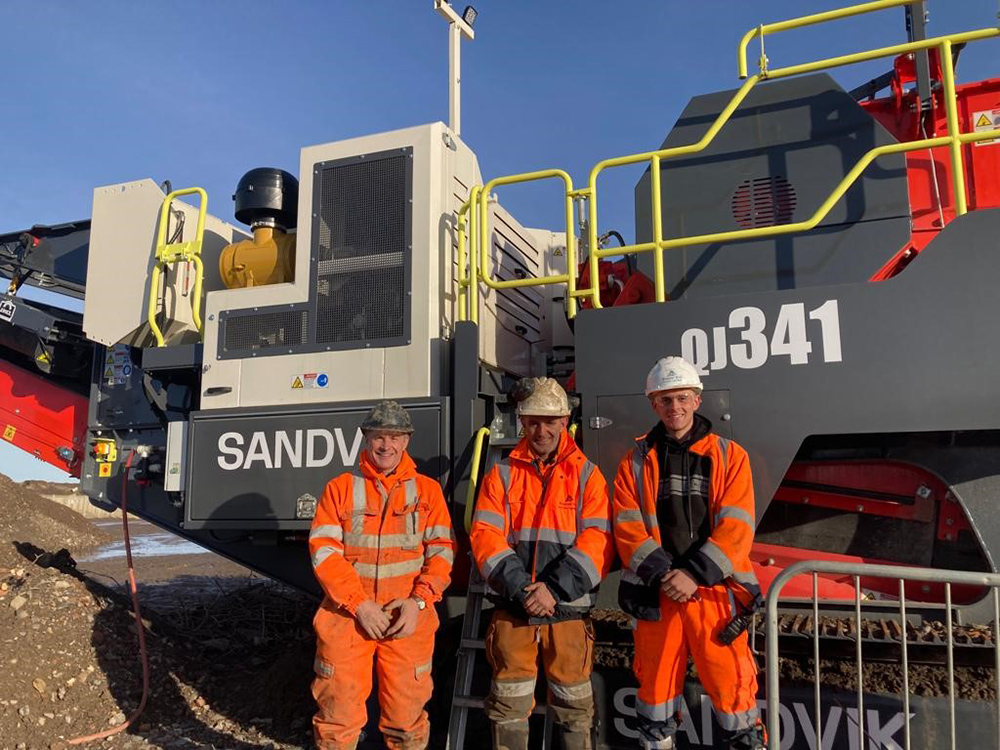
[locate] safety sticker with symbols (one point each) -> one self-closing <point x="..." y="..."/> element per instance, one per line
<point x="8" y="433"/>
<point x="310" y="380"/>
<point x="987" y="119"/>
<point x="7" y="309"/>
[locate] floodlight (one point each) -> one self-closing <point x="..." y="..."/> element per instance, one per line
<point x="469" y="15"/>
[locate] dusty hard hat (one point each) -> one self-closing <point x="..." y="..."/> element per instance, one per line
<point x="388" y="415"/>
<point x="672" y="373"/>
<point x="541" y="397"/>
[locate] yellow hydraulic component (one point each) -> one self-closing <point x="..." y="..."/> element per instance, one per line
<point x="954" y="140"/>
<point x="189" y="252"/>
<point x="269" y="258"/>
<point x="105" y="450"/>
<point x="477" y="454"/>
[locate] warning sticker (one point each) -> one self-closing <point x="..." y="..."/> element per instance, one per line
<point x="8" y="432"/>
<point x="7" y="309"/>
<point x="987" y="119"/>
<point x="311" y="380"/>
<point x="103" y="470"/>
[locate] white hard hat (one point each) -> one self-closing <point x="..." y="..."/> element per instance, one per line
<point x="672" y="373"/>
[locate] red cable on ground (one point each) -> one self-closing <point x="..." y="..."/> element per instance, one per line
<point x="138" y="623"/>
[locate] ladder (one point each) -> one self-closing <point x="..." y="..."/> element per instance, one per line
<point x="471" y="646"/>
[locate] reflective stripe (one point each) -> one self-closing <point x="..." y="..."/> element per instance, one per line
<point x="389" y="570"/>
<point x="410" y="490"/>
<point x="572" y="692"/>
<point x="585" y="471"/>
<point x="583" y="602"/>
<point x="650" y="520"/>
<point x="327" y="531"/>
<point x="320" y="555"/>
<point x="627" y="516"/>
<point x="696" y="484"/>
<point x="513" y="688"/>
<point x="492" y="562"/>
<point x="714" y="553"/>
<point x="546" y="535"/>
<point x="587" y="564"/>
<point x="442" y="552"/>
<point x="596" y="523"/>
<point x="374" y="541"/>
<point x="658" y="711"/>
<point x="359" y="496"/>
<point x="737" y="721"/>
<point x="731" y="511"/>
<point x="638" y="460"/>
<point x="724" y="449"/>
<point x="422" y="668"/>
<point x="644" y="551"/>
<point x="437" y="532"/>
<point x="629" y="577"/>
<point x="503" y="469"/>
<point x="488" y="517"/>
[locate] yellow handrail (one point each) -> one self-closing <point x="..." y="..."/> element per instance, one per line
<point x="470" y="497"/>
<point x="954" y="140"/>
<point x="173" y="253"/>
<point x="568" y="278"/>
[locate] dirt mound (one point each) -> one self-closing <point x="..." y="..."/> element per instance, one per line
<point x="51" y="488"/>
<point x="26" y="516"/>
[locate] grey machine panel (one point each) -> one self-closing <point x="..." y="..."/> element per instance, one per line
<point x="360" y="266"/>
<point x="247" y="468"/>
<point x="917" y="353"/>
<point x="778" y="158"/>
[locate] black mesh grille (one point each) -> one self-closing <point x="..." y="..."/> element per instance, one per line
<point x="265" y="330"/>
<point x="361" y="253"/>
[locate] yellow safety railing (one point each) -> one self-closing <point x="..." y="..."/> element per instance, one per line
<point x="477" y="454"/>
<point x="954" y="139"/>
<point x="189" y="252"/>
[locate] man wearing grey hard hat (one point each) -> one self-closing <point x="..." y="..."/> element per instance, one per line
<point x="541" y="538"/>
<point x="382" y="550"/>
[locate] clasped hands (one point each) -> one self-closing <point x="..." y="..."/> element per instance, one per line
<point x="377" y="622"/>
<point x="679" y="586"/>
<point x="539" y="601"/>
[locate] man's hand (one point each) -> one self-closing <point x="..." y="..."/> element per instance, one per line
<point x="406" y="620"/>
<point x="539" y="602"/>
<point x="372" y="619"/>
<point x="678" y="585"/>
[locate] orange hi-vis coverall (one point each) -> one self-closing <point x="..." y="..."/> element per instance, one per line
<point x="551" y="523"/>
<point x="697" y="515"/>
<point x="377" y="537"/>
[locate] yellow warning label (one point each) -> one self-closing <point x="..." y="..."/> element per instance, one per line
<point x="987" y="119"/>
<point x="983" y="120"/>
<point x="297" y="383"/>
<point x="8" y="432"/>
<point x="108" y="373"/>
<point x="104" y="470"/>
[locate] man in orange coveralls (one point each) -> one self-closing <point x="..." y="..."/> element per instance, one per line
<point x="683" y="525"/>
<point x="541" y="538"/>
<point x="382" y="550"/>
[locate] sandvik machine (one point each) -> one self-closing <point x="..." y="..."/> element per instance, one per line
<point x="826" y="258"/>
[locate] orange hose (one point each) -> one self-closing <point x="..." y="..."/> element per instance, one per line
<point x="138" y="623"/>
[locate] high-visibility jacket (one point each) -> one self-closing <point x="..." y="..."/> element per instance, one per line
<point x="381" y="537"/>
<point x="544" y="522"/>
<point x="722" y="482"/>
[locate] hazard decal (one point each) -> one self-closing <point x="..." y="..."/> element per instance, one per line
<point x="310" y="380"/>
<point x="987" y="119"/>
<point x="7" y="309"/>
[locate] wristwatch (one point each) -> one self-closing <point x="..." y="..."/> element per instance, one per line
<point x="421" y="604"/>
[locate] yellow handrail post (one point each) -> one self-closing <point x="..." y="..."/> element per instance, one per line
<point x="951" y="108"/>
<point x="475" y="250"/>
<point x="654" y="181"/>
<point x="594" y="256"/>
<point x="173" y="253"/>
<point x="470" y="497"/>
<point x="462" y="280"/>
<point x="571" y="269"/>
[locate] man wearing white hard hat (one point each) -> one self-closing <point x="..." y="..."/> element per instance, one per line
<point x="683" y="525"/>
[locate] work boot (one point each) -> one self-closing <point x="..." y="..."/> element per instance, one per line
<point x="577" y="739"/>
<point x="748" y="739"/>
<point x="512" y="735"/>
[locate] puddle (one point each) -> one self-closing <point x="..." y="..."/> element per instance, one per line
<point x="147" y="541"/>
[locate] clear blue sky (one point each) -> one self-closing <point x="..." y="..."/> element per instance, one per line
<point x="199" y="92"/>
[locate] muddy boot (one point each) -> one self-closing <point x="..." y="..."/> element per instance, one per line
<point x="510" y="735"/>
<point x="748" y="739"/>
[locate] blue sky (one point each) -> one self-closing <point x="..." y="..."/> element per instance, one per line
<point x="199" y="92"/>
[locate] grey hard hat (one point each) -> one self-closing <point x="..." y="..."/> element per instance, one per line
<point x="388" y="415"/>
<point x="541" y="397"/>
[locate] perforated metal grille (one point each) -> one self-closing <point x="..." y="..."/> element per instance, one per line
<point x="265" y="330"/>
<point x="362" y="251"/>
<point x="764" y="202"/>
